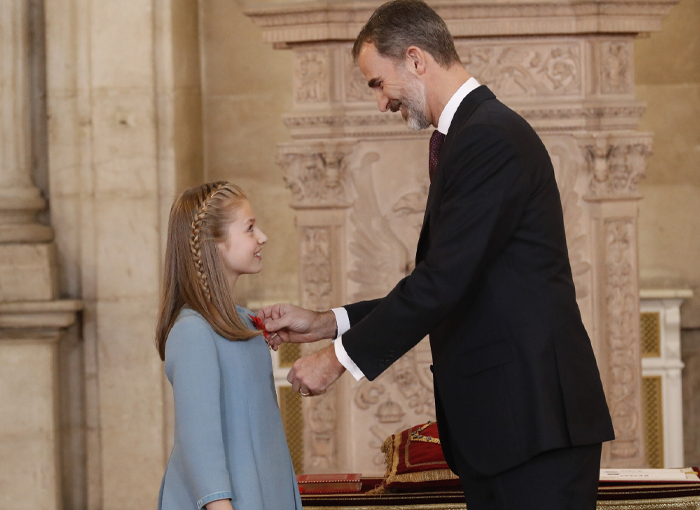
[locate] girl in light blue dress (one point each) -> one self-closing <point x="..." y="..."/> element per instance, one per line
<point x="230" y="450"/>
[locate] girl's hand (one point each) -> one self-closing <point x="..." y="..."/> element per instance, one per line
<point x="219" y="504"/>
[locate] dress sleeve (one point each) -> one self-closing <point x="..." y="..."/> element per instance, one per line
<point x="192" y="365"/>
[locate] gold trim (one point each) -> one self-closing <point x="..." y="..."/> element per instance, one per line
<point x="689" y="503"/>
<point x="432" y="475"/>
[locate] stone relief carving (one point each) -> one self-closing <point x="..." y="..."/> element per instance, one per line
<point x="356" y="89"/>
<point x="381" y="260"/>
<point x="412" y="376"/>
<point x="320" y="415"/>
<point x="617" y="164"/>
<point x="525" y="71"/>
<point x="622" y="319"/>
<point x="566" y="171"/>
<point x="311" y="72"/>
<point x="316" y="174"/>
<point x="616" y="69"/>
<point x="316" y="267"/>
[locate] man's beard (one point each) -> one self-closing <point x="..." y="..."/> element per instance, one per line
<point x="414" y="101"/>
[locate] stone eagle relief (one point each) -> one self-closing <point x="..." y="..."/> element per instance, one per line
<point x="382" y="248"/>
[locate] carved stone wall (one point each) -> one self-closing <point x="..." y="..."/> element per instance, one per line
<point x="359" y="180"/>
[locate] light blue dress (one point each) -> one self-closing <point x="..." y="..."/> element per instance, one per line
<point x="229" y="440"/>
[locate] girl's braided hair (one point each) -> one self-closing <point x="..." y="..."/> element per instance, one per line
<point x="195" y="232"/>
<point x="194" y="275"/>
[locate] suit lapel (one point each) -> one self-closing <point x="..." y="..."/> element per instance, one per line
<point x="466" y="108"/>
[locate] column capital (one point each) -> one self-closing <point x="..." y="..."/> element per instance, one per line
<point x="616" y="162"/>
<point x="316" y="172"/>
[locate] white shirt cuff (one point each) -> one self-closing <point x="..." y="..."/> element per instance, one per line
<point x="345" y="360"/>
<point x="342" y="320"/>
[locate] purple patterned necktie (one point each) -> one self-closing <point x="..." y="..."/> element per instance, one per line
<point x="436" y="141"/>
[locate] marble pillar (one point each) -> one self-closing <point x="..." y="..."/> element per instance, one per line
<point x="359" y="185"/>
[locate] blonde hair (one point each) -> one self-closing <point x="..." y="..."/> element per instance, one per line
<point x="194" y="275"/>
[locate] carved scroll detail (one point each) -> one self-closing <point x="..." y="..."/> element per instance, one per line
<point x="316" y="174"/>
<point x="525" y="71"/>
<point x="622" y="319"/>
<point x="316" y="267"/>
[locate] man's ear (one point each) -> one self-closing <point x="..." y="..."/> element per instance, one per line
<point x="416" y="60"/>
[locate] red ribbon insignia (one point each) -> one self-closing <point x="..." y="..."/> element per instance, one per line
<point x="258" y="323"/>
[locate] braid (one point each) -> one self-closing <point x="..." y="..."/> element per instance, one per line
<point x="195" y="241"/>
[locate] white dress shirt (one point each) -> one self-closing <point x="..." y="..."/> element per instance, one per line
<point x="341" y="314"/>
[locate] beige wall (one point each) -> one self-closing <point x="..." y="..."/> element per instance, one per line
<point x="247" y="87"/>
<point x="668" y="79"/>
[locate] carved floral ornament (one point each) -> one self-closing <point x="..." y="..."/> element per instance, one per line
<point x="317" y="174"/>
<point x="316" y="267"/>
<point x="622" y="331"/>
<point x="516" y="70"/>
<point x="617" y="163"/>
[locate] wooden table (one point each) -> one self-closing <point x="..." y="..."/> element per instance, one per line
<point x="610" y="497"/>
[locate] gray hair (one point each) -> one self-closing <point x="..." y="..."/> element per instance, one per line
<point x="399" y="24"/>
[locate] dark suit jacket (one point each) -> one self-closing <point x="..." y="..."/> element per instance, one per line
<point x="513" y="366"/>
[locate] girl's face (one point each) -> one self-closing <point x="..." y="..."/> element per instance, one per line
<point x="240" y="251"/>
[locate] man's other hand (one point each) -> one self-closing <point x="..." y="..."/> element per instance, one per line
<point x="313" y="374"/>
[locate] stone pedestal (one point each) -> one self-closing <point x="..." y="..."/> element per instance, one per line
<point x="29" y="427"/>
<point x="359" y="182"/>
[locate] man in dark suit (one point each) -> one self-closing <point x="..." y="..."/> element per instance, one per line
<point x="519" y="400"/>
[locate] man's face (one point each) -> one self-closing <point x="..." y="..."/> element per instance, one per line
<point x="394" y="86"/>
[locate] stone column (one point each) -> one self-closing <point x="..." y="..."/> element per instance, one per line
<point x="29" y="422"/>
<point x="26" y="257"/>
<point x="317" y="174"/>
<point x="616" y="162"/>
<point x="31" y="318"/>
<point x="567" y="68"/>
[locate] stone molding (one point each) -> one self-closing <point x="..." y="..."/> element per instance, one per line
<point x="329" y="21"/>
<point x="616" y="162"/>
<point x="316" y="173"/>
<point x="364" y="124"/>
<point x="33" y="315"/>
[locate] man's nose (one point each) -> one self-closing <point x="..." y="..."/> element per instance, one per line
<point x="382" y="101"/>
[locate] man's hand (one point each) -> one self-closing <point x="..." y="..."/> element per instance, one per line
<point x="289" y="323"/>
<point x="313" y="374"/>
